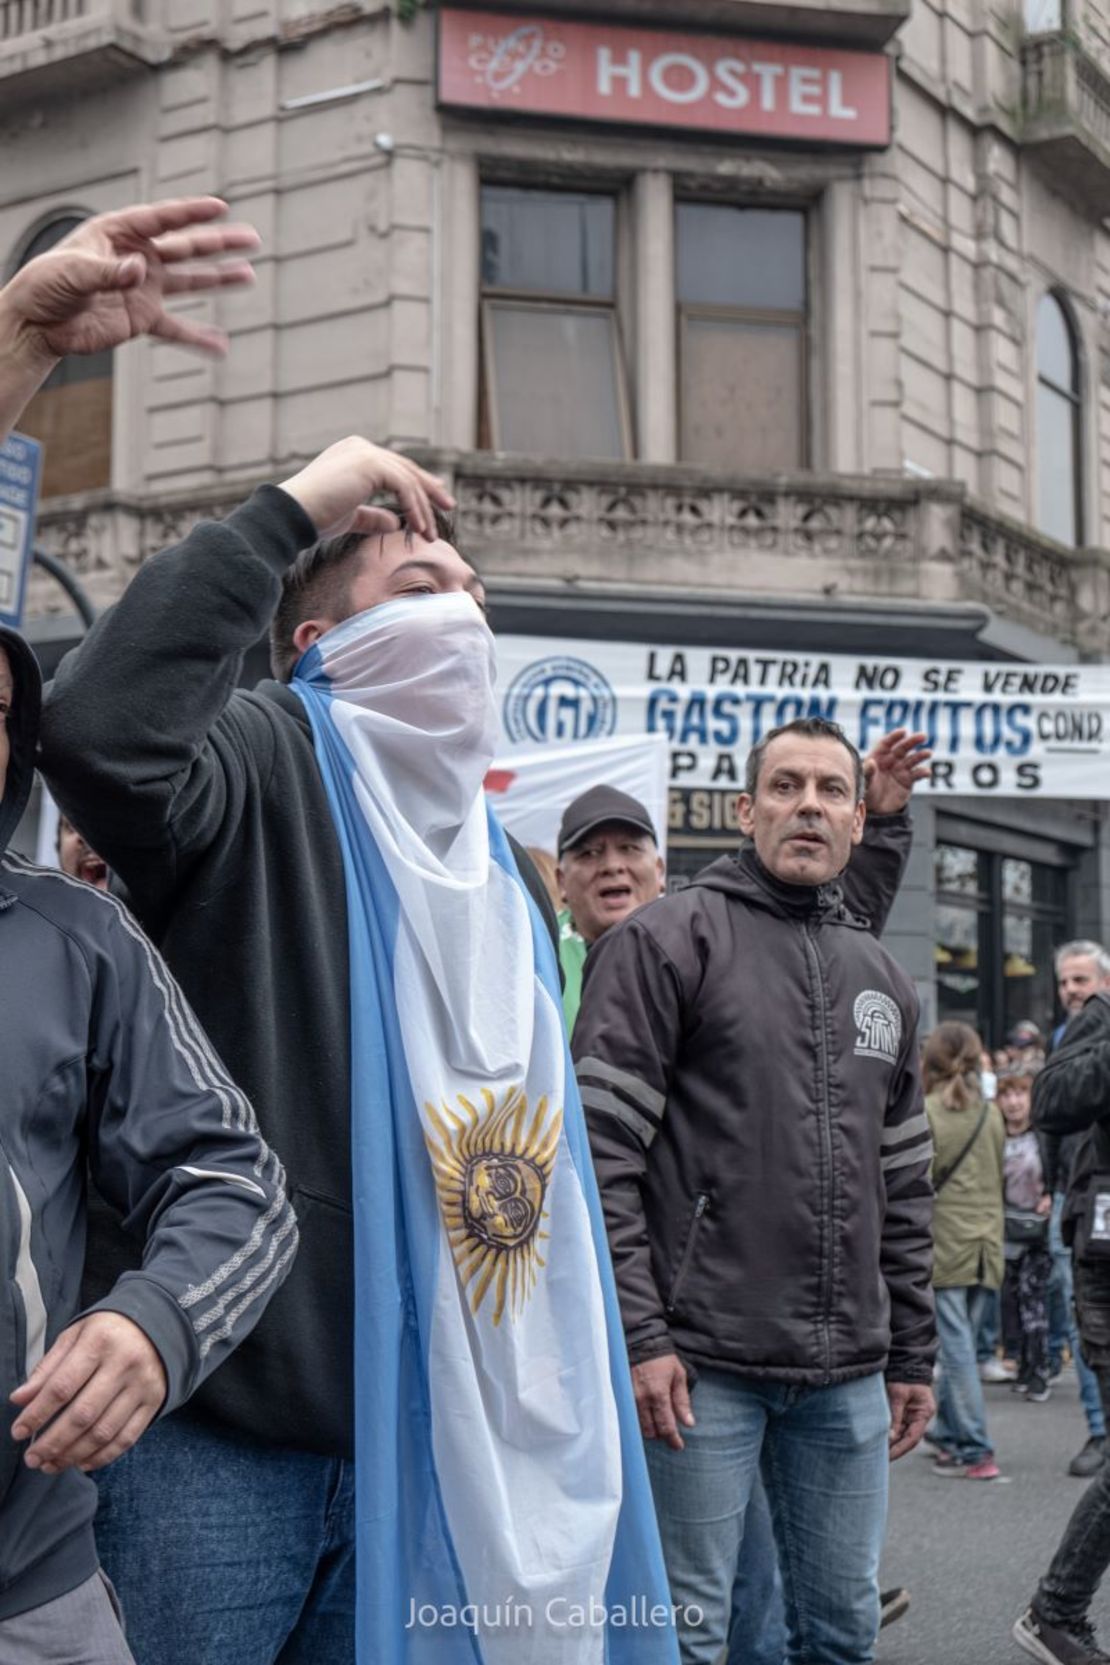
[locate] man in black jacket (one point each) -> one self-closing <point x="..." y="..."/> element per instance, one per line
<point x="1072" y="1095"/>
<point x="747" y="1056"/>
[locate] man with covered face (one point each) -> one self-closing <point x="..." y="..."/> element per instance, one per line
<point x="747" y="1053"/>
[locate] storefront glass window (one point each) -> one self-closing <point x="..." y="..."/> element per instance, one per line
<point x="72" y="412"/>
<point x="741" y="287"/>
<point x="960" y="907"/>
<point x="553" y="378"/>
<point x="998" y="920"/>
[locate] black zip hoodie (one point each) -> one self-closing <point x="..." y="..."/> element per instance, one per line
<point x="748" y="1060"/>
<point x="209" y="804"/>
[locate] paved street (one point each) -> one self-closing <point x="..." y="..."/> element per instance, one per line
<point x="971" y="1554"/>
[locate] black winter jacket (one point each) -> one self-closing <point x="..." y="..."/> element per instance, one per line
<point x="748" y="1060"/>
<point x="1071" y="1101"/>
<point x="103" y="1066"/>
<point x="209" y="804"/>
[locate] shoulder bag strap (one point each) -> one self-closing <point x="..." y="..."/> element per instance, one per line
<point x="941" y="1180"/>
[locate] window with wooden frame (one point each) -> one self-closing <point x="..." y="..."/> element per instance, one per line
<point x="741" y="289"/>
<point x="1058" y="425"/>
<point x="72" y="412"/>
<point x="553" y="379"/>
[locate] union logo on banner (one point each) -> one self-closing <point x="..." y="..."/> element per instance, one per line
<point x="560" y="698"/>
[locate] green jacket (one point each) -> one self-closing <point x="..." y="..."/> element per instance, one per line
<point x="572" y="956"/>
<point x="967" y="1216"/>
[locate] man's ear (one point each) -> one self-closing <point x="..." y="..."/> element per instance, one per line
<point x="857" y="824"/>
<point x="561" y="884"/>
<point x="308" y="632"/>
<point x="661" y="874"/>
<point x="745" y="813"/>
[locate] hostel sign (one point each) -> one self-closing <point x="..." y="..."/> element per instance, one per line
<point x="518" y="65"/>
<point x="996" y="729"/>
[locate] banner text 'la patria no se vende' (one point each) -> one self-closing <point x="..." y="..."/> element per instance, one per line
<point x="996" y="728"/>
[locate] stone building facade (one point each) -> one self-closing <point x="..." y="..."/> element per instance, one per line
<point x="875" y="420"/>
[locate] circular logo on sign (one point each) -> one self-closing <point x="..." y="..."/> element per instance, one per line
<point x="560" y="699"/>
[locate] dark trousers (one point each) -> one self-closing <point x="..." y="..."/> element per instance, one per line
<point x="1068" y="1587"/>
<point x="1025" y="1311"/>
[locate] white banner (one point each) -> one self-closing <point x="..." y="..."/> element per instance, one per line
<point x="996" y="728"/>
<point x="531" y="788"/>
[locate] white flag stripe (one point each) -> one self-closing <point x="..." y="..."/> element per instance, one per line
<point x="524" y="1423"/>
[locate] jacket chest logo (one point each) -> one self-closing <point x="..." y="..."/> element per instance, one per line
<point x="879" y="1023"/>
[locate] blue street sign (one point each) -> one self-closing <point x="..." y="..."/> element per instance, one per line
<point x="20" y="467"/>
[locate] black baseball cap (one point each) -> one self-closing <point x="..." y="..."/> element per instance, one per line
<point x="595" y="808"/>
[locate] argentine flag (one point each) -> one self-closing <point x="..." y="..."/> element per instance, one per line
<point x="504" y="1512"/>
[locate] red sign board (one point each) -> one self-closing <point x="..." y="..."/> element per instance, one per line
<point x="499" y="61"/>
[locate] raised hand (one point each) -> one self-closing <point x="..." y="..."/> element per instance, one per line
<point x="108" y="281"/>
<point x="892" y="768"/>
<point x="332" y="489"/>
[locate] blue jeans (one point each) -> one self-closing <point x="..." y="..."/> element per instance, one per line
<point x="757" y="1627"/>
<point x="961" y="1423"/>
<point x="826" y="1469"/>
<point x="990" y="1322"/>
<point x="1063" y="1328"/>
<point x="230" y="1552"/>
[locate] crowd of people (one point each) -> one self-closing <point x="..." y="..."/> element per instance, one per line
<point x="521" y="1250"/>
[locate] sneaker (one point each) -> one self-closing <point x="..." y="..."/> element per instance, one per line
<point x="987" y="1469"/>
<point x="893" y="1604"/>
<point x="996" y="1370"/>
<point x="947" y="1462"/>
<point x="1020" y="1386"/>
<point x="1037" y="1391"/>
<point x="1056" y="1645"/>
<point x="1088" y="1461"/>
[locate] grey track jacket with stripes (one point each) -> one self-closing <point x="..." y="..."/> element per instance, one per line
<point x="747" y="1054"/>
<point x="103" y="1061"/>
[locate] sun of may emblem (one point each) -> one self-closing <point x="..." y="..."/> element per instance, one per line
<point x="492" y="1168"/>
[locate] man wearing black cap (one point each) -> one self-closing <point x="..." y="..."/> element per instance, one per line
<point x="609" y="865"/>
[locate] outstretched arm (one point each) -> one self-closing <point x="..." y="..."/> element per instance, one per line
<point x="108" y="282"/>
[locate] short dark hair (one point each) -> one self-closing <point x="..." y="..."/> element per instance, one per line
<point x="319" y="582"/>
<point x="811" y="728"/>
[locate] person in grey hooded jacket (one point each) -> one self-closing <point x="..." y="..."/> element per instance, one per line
<point x="103" y="1059"/>
<point x="105" y="1068"/>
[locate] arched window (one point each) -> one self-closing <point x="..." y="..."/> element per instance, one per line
<point x="1058" y="436"/>
<point x="72" y="412"/>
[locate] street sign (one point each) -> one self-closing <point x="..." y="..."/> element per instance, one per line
<point x="20" y="467"/>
